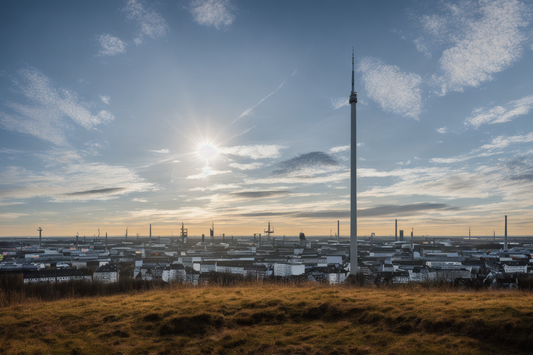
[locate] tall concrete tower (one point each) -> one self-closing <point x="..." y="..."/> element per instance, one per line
<point x="353" y="179"/>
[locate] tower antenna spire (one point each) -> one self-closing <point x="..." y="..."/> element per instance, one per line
<point x="352" y="72"/>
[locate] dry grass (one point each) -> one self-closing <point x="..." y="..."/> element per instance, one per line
<point x="271" y="319"/>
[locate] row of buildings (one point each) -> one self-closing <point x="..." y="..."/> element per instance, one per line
<point x="195" y="261"/>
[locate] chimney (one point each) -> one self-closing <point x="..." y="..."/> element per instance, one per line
<point x="505" y="241"/>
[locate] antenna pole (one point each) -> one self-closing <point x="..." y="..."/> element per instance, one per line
<point x="352" y="71"/>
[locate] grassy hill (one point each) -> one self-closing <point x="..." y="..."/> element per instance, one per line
<point x="268" y="319"/>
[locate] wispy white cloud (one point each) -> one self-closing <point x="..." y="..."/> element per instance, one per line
<point x="434" y="27"/>
<point x="139" y="200"/>
<point x="452" y="160"/>
<point x="152" y="24"/>
<point x="105" y="99"/>
<point x="217" y="187"/>
<point x="408" y="162"/>
<point x="503" y="186"/>
<point x="216" y="206"/>
<point x="110" y="45"/>
<point x="37" y="124"/>
<point x="160" y="151"/>
<point x="216" y="13"/>
<point x="501" y="114"/>
<point x="10" y="203"/>
<point x="57" y="157"/>
<point x="12" y="215"/>
<point x="10" y="151"/>
<point x="342" y="148"/>
<point x="395" y="91"/>
<point x="445" y="183"/>
<point x="442" y="130"/>
<point x="339" y="102"/>
<point x="487" y="37"/>
<point x="251" y="166"/>
<point x="70" y="182"/>
<point x="301" y="179"/>
<point x="50" y="109"/>
<point x="501" y="142"/>
<point x="259" y="151"/>
<point x="495" y="146"/>
<point x="206" y="172"/>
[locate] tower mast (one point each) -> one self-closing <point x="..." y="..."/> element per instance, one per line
<point x="353" y="178"/>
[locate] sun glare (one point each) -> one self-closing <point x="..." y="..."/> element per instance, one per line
<point x="207" y="151"/>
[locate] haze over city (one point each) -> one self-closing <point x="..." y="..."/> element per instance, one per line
<point x="121" y="114"/>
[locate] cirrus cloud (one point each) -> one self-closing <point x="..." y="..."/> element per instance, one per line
<point x="487" y="37"/>
<point x="49" y="109"/>
<point x="216" y="13"/>
<point x="500" y="114"/>
<point x="395" y="91"/>
<point x="152" y="24"/>
<point x="110" y="45"/>
<point x="259" y="151"/>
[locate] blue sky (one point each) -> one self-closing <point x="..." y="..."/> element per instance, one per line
<point x="117" y="114"/>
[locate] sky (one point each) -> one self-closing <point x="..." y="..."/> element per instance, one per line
<point x="119" y="114"/>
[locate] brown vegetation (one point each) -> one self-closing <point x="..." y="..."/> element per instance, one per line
<point x="274" y="319"/>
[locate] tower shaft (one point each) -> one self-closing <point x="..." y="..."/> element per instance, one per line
<point x="353" y="178"/>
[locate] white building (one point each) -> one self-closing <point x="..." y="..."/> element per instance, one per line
<point x="336" y="278"/>
<point x="174" y="273"/>
<point x="208" y="266"/>
<point x="288" y="269"/>
<point x="62" y="275"/>
<point x="107" y="273"/>
<point x="511" y="269"/>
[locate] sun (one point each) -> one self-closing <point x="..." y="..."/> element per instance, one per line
<point x="207" y="151"/>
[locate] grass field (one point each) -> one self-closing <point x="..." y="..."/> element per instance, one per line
<point x="273" y="319"/>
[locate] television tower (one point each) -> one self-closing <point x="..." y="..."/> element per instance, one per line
<point x="353" y="179"/>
